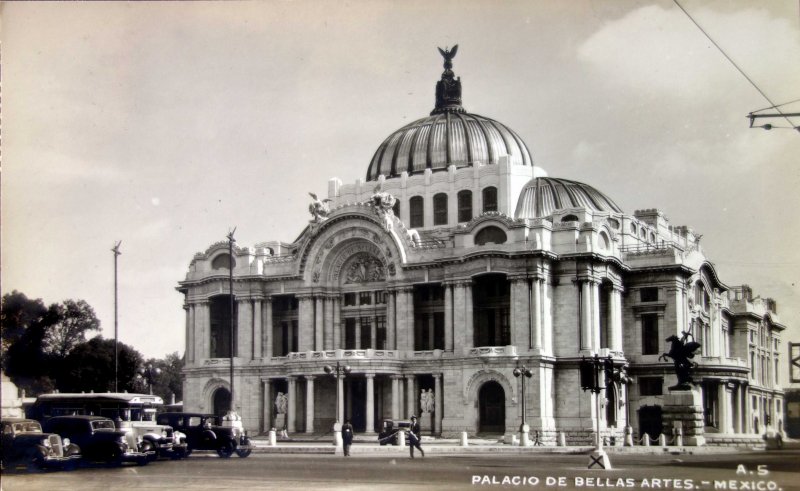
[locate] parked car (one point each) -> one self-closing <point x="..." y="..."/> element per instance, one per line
<point x="23" y="442"/>
<point x="390" y="429"/>
<point x="209" y="432"/>
<point x="156" y="440"/>
<point x="99" y="439"/>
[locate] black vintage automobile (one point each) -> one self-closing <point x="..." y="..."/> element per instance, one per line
<point x="390" y="429"/>
<point x="99" y="439"/>
<point x="24" y="443"/>
<point x="209" y="432"/>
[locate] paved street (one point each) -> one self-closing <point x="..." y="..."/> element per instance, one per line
<point x="442" y="471"/>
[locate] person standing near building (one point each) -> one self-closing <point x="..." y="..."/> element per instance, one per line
<point x="415" y="437"/>
<point x="347" y="437"/>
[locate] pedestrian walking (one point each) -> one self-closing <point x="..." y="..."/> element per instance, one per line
<point x="415" y="437"/>
<point x="347" y="437"/>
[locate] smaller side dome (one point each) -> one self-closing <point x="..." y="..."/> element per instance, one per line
<point x="544" y="195"/>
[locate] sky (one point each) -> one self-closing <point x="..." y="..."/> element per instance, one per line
<point x="166" y="124"/>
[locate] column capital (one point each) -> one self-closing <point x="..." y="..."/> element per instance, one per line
<point x="463" y="282"/>
<point x="396" y="377"/>
<point x="369" y="375"/>
<point x="404" y="289"/>
<point x="410" y="376"/>
<point x="517" y="278"/>
<point x="304" y="296"/>
<point x="291" y="378"/>
<point x="309" y="377"/>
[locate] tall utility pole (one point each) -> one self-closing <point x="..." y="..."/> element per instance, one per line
<point x="231" y="240"/>
<point x="116" y="252"/>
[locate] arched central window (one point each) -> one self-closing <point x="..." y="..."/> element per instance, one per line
<point x="416" y="210"/>
<point x="490" y="235"/>
<point x="440" y="209"/>
<point x="489" y="199"/>
<point x="464" y="206"/>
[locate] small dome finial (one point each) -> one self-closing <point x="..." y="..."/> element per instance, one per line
<point x="448" y="89"/>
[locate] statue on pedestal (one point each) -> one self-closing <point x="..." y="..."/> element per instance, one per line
<point x="682" y="351"/>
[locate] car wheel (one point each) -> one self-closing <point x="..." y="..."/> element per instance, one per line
<point x="188" y="452"/>
<point x="148" y="446"/>
<point x="245" y="452"/>
<point x="226" y="449"/>
<point x="37" y="460"/>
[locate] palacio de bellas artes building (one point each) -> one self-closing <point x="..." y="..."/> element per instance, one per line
<point x="453" y="262"/>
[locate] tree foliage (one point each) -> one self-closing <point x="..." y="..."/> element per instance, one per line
<point x="168" y="380"/>
<point x="90" y="367"/>
<point x="75" y="319"/>
<point x="25" y="323"/>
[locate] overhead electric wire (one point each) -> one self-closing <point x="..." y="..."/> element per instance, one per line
<point x="733" y="63"/>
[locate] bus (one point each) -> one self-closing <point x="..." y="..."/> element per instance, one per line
<point x="132" y="413"/>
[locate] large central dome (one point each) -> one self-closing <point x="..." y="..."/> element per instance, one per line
<point x="449" y="136"/>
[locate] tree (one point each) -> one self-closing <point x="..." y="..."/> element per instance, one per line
<point x="25" y="323"/>
<point x="75" y="319"/>
<point x="169" y="380"/>
<point x="90" y="367"/>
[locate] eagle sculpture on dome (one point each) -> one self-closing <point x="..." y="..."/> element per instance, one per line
<point x="448" y="55"/>
<point x="319" y="208"/>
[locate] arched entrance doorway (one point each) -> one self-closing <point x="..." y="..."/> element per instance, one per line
<point x="650" y="421"/>
<point x="492" y="408"/>
<point x="222" y="401"/>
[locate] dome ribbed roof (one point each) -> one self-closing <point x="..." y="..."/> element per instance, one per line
<point x="447" y="138"/>
<point x="544" y="195"/>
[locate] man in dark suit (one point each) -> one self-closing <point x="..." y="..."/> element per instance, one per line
<point x="415" y="437"/>
<point x="347" y="437"/>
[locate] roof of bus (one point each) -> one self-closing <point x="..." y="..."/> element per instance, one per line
<point x="103" y="396"/>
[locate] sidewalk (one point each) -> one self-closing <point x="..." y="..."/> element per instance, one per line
<point x="362" y="447"/>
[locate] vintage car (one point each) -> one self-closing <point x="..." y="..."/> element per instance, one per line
<point x="390" y="429"/>
<point x="156" y="440"/>
<point x="23" y="442"/>
<point x="99" y="439"/>
<point x="209" y="432"/>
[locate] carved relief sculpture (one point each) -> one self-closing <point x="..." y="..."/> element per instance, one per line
<point x="319" y="208"/>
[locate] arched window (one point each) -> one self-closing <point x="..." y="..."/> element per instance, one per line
<point x="416" y="208"/>
<point x="633" y="228"/>
<point x="490" y="235"/>
<point x="489" y="199"/>
<point x="440" y="209"/>
<point x="464" y="206"/>
<point x="396" y="208"/>
<point x="605" y="243"/>
<point x="652" y="237"/>
<point x="569" y="218"/>
<point x="613" y="223"/>
<point x="223" y="261"/>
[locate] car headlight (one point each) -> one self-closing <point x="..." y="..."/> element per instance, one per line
<point x="121" y="439"/>
<point x="66" y="442"/>
<point x="163" y="433"/>
<point x="46" y="442"/>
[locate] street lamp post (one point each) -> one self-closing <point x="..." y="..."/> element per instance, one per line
<point x="590" y="370"/>
<point x="339" y="372"/>
<point x="148" y="373"/>
<point x="116" y="252"/>
<point x="231" y="240"/>
<point x="523" y="372"/>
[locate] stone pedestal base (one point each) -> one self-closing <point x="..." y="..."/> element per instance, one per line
<point x="280" y="422"/>
<point x="599" y="460"/>
<point x="684" y="409"/>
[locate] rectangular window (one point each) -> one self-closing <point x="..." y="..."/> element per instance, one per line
<point x="416" y="210"/>
<point x="464" y="206"/>
<point x="380" y="298"/>
<point x="489" y="199"/>
<point x="380" y="332"/>
<point x="648" y="294"/>
<point x="365" y="298"/>
<point x="366" y="332"/>
<point x="650" y="334"/>
<point x="349" y="299"/>
<point x="350" y="333"/>
<point x="651" y="386"/>
<point x="438" y="330"/>
<point x="440" y="209"/>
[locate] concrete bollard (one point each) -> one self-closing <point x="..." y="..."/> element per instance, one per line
<point x="645" y="440"/>
<point x="678" y="437"/>
<point x="337" y="435"/>
<point x="401" y="438"/>
<point x="464" y="441"/>
<point x="628" y="436"/>
<point x="662" y="440"/>
<point x="524" y="436"/>
<point x="273" y="438"/>
<point x="562" y="439"/>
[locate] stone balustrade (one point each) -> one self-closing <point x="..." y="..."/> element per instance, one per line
<point x="492" y="351"/>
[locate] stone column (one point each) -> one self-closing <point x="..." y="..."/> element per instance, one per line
<point x="396" y="397"/>
<point x="520" y="314"/>
<point x="547" y="319"/>
<point x="328" y="330"/>
<point x="244" y="328"/>
<point x="410" y="396"/>
<point x="438" y="405"/>
<point x="189" y="308"/>
<point x="469" y="325"/>
<point x="459" y="319"/>
<point x="722" y="404"/>
<point x="409" y="317"/>
<point x="373" y="333"/>
<point x="292" y="406"/>
<point x="340" y="389"/>
<point x="337" y="323"/>
<point x="305" y="323"/>
<point x="595" y="287"/>
<point x="370" y="409"/>
<point x="391" y="323"/>
<point x="448" y="317"/>
<point x="257" y="336"/>
<point x="737" y="408"/>
<point x="536" y="314"/>
<point x="267" y="352"/>
<point x="358" y="333"/>
<point x="615" y="309"/>
<point x="746" y="409"/>
<point x="203" y="327"/>
<point x="319" y="320"/>
<point x="266" y="402"/>
<point x="309" y="404"/>
<point x="586" y="316"/>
